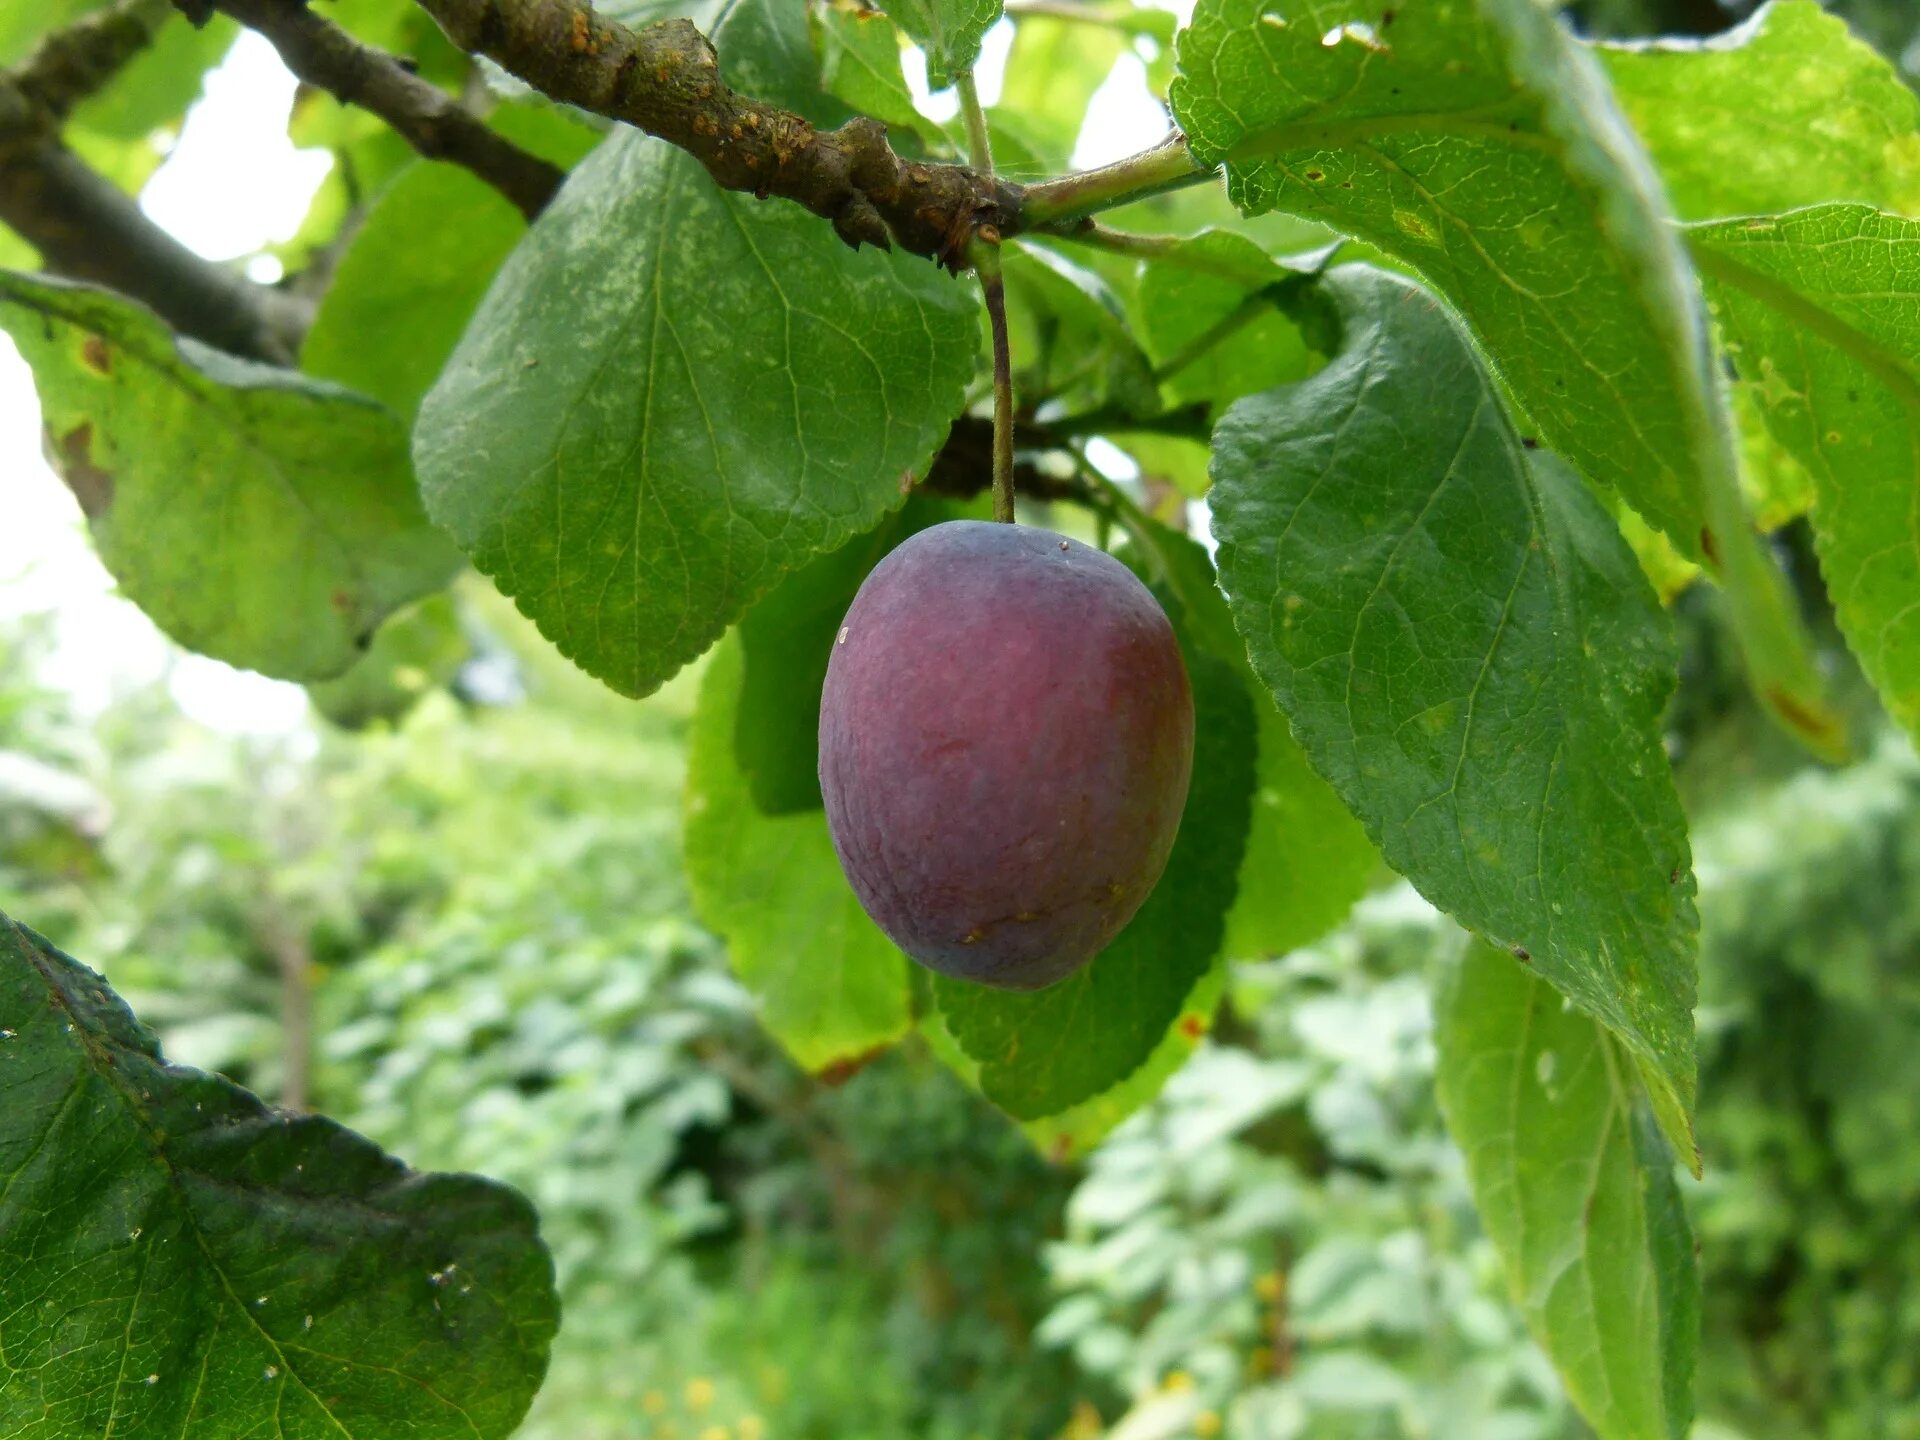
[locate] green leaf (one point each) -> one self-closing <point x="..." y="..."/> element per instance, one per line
<point x="22" y="27"/>
<point x="949" y="31"/>
<point x="167" y="443"/>
<point x="1477" y="144"/>
<point x="1047" y="1051"/>
<point x="1074" y="1132"/>
<point x="1576" y="1188"/>
<point x="399" y="301"/>
<point x="154" y="89"/>
<point x="1069" y="313"/>
<point x="1787" y="110"/>
<point x="555" y="133"/>
<point x="1211" y="279"/>
<point x="1307" y="860"/>
<point x="1469" y="653"/>
<point x="671" y="396"/>
<point x="829" y="985"/>
<point x="418" y="650"/>
<point x="764" y="47"/>
<point x="860" y="62"/>
<point x="15" y="253"/>
<point x="1820" y="310"/>
<point x="179" y="1259"/>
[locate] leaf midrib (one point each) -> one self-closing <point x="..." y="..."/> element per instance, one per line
<point x="1884" y="364"/>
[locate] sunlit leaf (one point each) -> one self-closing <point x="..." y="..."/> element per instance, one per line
<point x="1789" y="109"/>
<point x="398" y="303"/>
<point x="1821" y="313"/>
<point x="258" y="516"/>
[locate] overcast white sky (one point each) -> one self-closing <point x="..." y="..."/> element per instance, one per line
<point x="232" y="185"/>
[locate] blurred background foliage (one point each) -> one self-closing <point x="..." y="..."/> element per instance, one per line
<point x="466" y="933"/>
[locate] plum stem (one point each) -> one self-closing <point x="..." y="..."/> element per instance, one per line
<point x="979" y="146"/>
<point x="994" y="288"/>
<point x="984" y="252"/>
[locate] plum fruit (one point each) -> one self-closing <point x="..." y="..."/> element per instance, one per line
<point x="1006" y="735"/>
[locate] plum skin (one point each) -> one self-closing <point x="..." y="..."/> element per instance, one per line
<point x="1006" y="737"/>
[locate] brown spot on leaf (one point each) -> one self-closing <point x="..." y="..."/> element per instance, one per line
<point x="841" y="1071"/>
<point x="341" y="601"/>
<point x="72" y="457"/>
<point x="1709" y="547"/>
<point x="1192" y="1026"/>
<point x="95" y="355"/>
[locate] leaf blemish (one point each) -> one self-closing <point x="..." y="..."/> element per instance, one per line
<point x="72" y="457"/>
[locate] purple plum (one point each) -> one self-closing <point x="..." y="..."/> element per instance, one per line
<point x="1006" y="736"/>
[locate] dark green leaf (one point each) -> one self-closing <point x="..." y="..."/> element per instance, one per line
<point x="178" y="1259"/>
<point x="1476" y="143"/>
<point x="1045" y="1052"/>
<point x="1788" y="110"/>
<point x="1469" y="653"/>
<point x="402" y="295"/>
<point x="1576" y="1187"/>
<point x="304" y="487"/>
<point x="1307" y="859"/>
<point x="671" y="396"/>
<point x="829" y="985"/>
<point x="1073" y="1132"/>
<point x="1820" y="310"/>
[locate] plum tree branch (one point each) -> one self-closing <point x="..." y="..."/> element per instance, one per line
<point x="72" y="64"/>
<point x="87" y="229"/>
<point x="430" y="120"/>
<point x="664" y="78"/>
